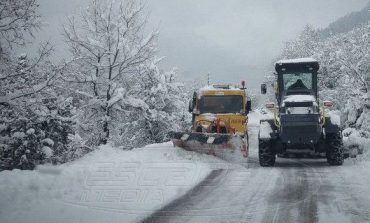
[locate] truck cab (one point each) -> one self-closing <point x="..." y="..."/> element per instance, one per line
<point x="219" y="123"/>
<point x="220" y="109"/>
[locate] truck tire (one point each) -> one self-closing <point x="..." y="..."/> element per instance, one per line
<point x="334" y="149"/>
<point x="265" y="154"/>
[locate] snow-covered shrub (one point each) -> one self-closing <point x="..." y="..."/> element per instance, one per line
<point x="35" y="134"/>
<point x="36" y="119"/>
<point x="156" y="106"/>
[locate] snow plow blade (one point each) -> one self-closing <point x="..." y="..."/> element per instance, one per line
<point x="229" y="147"/>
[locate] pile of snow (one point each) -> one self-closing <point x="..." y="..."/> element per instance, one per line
<point x="298" y="98"/>
<point x="257" y="115"/>
<point x="355" y="141"/>
<point x="265" y="130"/>
<point x="219" y="89"/>
<point x="48" y="152"/>
<point x="122" y="186"/>
<point x="216" y="87"/>
<point x="335" y="117"/>
<point x="298" y="60"/>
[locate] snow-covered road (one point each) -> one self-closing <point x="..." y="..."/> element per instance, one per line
<point x="107" y="185"/>
<point x="111" y="185"/>
<point x="304" y="190"/>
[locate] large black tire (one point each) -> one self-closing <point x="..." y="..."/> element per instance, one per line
<point x="334" y="149"/>
<point x="266" y="154"/>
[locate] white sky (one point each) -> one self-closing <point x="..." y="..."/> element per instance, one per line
<point x="230" y="39"/>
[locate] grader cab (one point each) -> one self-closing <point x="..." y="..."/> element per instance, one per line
<point x="300" y="124"/>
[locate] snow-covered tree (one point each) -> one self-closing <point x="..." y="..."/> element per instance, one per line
<point x="36" y="125"/>
<point x="305" y="45"/>
<point x="160" y="108"/>
<point x="35" y="119"/>
<point x="17" y="18"/>
<point x="124" y="96"/>
<point x="108" y="45"/>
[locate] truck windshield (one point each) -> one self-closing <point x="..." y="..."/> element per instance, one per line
<point x="221" y="104"/>
<point x="297" y="81"/>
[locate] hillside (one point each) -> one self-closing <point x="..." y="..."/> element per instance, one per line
<point x="348" y="22"/>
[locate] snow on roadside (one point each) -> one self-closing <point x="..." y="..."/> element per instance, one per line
<point x="122" y="186"/>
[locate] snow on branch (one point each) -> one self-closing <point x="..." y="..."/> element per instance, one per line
<point x="25" y="92"/>
<point x="16" y="18"/>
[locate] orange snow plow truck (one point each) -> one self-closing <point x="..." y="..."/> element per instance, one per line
<point x="219" y="122"/>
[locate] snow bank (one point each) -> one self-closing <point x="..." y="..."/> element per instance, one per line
<point x="122" y="186"/>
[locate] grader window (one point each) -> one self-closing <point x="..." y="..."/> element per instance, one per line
<point x="221" y="104"/>
<point x="297" y="81"/>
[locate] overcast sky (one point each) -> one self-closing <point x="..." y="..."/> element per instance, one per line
<point x="230" y="39"/>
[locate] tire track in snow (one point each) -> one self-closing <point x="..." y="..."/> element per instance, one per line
<point x="360" y="207"/>
<point x="171" y="209"/>
<point x="232" y="196"/>
<point x="293" y="199"/>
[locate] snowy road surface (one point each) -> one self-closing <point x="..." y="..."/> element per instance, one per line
<point x="112" y="185"/>
<point x="301" y="190"/>
<point x="108" y="185"/>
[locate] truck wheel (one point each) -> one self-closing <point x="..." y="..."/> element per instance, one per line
<point x="265" y="154"/>
<point x="334" y="149"/>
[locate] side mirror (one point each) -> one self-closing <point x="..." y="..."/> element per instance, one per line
<point x="191" y="106"/>
<point x="248" y="107"/>
<point x="263" y="89"/>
